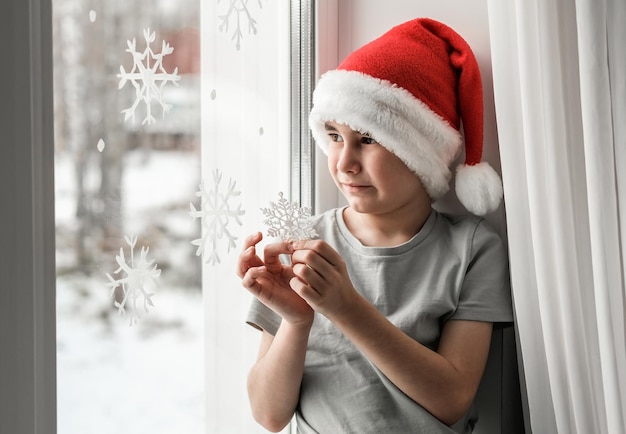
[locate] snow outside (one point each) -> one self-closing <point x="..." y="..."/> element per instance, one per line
<point x="129" y="303"/>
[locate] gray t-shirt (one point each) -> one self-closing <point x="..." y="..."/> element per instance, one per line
<point x="453" y="268"/>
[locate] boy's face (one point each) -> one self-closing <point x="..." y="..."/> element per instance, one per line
<point x="371" y="178"/>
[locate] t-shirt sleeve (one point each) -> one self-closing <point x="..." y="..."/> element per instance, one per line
<point x="486" y="291"/>
<point x="262" y="317"/>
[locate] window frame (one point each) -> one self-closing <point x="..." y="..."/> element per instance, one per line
<point x="27" y="259"/>
<point x="303" y="73"/>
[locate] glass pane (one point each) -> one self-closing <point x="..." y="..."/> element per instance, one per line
<point x="129" y="301"/>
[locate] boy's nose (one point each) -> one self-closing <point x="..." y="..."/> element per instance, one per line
<point x="349" y="161"/>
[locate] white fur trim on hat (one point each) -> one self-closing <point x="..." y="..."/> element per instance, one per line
<point x="478" y="188"/>
<point x="395" y="118"/>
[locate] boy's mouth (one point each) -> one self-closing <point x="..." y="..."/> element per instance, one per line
<point x="354" y="188"/>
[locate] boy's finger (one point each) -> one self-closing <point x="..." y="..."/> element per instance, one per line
<point x="250" y="278"/>
<point x="252" y="240"/>
<point x="247" y="259"/>
<point x="323" y="249"/>
<point x="272" y="252"/>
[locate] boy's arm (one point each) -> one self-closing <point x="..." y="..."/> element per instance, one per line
<point x="274" y="380"/>
<point x="443" y="382"/>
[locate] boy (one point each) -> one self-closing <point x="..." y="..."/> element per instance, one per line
<point x="383" y="324"/>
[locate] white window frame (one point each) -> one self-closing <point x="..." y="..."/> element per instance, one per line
<point x="27" y="293"/>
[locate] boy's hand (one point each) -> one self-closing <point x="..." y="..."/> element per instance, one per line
<point x="321" y="278"/>
<point x="268" y="280"/>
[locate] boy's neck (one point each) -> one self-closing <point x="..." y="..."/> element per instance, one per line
<point x="386" y="230"/>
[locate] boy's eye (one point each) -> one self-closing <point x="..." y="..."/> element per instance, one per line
<point x="367" y="140"/>
<point x="335" y="137"/>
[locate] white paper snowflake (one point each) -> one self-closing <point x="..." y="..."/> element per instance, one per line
<point x="238" y="9"/>
<point x="147" y="78"/>
<point x="216" y="214"/>
<point x="139" y="280"/>
<point x="288" y="221"/>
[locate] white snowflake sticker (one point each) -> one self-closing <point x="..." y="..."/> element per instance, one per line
<point x="238" y="9"/>
<point x="147" y="78"/>
<point x="216" y="214"/>
<point x="139" y="280"/>
<point x="288" y="221"/>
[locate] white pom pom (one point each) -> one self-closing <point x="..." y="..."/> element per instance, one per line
<point x="478" y="188"/>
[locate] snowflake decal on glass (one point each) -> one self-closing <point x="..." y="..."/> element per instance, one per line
<point x="288" y="221"/>
<point x="138" y="282"/>
<point x="147" y="78"/>
<point x="238" y="9"/>
<point x="216" y="214"/>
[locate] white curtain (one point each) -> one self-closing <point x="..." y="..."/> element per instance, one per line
<point x="559" y="71"/>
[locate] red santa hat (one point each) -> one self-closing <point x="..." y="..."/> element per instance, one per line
<point x="410" y="89"/>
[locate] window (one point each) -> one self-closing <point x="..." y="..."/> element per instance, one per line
<point x="129" y="302"/>
<point x="28" y="272"/>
